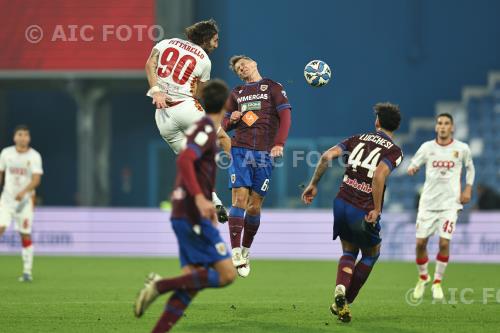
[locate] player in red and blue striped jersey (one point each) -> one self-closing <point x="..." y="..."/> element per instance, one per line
<point x="370" y="159"/>
<point x="259" y="113"/>
<point x="204" y="258"/>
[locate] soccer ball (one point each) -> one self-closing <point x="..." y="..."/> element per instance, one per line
<point x="317" y="73"/>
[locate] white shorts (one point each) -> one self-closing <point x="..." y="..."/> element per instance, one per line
<point x="23" y="220"/>
<point x="172" y="122"/>
<point x="443" y="221"/>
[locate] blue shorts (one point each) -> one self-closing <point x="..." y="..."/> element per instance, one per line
<point x="251" y="169"/>
<point x="199" y="246"/>
<point x="349" y="223"/>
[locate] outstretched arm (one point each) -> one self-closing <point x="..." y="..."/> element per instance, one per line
<point x="312" y="190"/>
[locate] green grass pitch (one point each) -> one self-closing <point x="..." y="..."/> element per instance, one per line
<point x="81" y="294"/>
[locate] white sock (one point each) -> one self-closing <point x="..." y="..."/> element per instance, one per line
<point x="422" y="266"/>
<point x="440" y="268"/>
<point x="27" y="255"/>
<point x="216" y="200"/>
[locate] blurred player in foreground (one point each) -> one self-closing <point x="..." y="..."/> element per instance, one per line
<point x="260" y="114"/>
<point x="441" y="199"/>
<point x="177" y="69"/>
<point x="204" y="257"/>
<point x="370" y="158"/>
<point x="22" y="166"/>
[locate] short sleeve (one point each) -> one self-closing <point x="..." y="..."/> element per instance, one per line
<point x="205" y="74"/>
<point x="393" y="158"/>
<point x="3" y="163"/>
<point x="279" y="97"/>
<point x="201" y="139"/>
<point x="420" y="157"/>
<point x="345" y="144"/>
<point x="36" y="164"/>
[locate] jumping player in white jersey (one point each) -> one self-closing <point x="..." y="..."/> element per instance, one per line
<point x="22" y="166"/>
<point x="441" y="199"/>
<point x="177" y="69"/>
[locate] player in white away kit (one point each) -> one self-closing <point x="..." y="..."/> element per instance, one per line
<point x="22" y="166"/>
<point x="441" y="199"/>
<point x="177" y="70"/>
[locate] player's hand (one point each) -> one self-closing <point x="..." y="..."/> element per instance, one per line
<point x="20" y="195"/>
<point x="160" y="99"/>
<point x="372" y="216"/>
<point x="235" y="116"/>
<point x="309" y="193"/>
<point x="465" y="196"/>
<point x="412" y="171"/>
<point x="206" y="207"/>
<point x="277" y="151"/>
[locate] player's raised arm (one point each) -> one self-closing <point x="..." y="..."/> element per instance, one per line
<point x="378" y="184"/>
<point x="417" y="160"/>
<point x="470" y="173"/>
<point x="311" y="190"/>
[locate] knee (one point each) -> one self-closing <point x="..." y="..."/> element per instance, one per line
<point x="444" y="246"/>
<point x="421" y="245"/>
<point x="240" y="201"/>
<point x="227" y="276"/>
<point x="370" y="260"/>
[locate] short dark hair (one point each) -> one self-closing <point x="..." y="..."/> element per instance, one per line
<point x="234" y="59"/>
<point x="388" y="115"/>
<point x="202" y="32"/>
<point x="21" y="127"/>
<point x="214" y="95"/>
<point x="445" y="114"/>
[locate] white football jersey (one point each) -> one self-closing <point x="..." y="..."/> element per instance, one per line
<point x="18" y="169"/>
<point x="181" y="64"/>
<point x="443" y="170"/>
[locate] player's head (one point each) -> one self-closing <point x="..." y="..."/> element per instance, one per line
<point x="388" y="116"/>
<point x="22" y="136"/>
<point x="204" y="34"/>
<point x="243" y="66"/>
<point x="214" y="96"/>
<point x="444" y="126"/>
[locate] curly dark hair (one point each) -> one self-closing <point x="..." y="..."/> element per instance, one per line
<point x="202" y="32"/>
<point x="388" y="115"/>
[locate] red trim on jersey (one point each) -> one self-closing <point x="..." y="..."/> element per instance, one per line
<point x="445" y="144"/>
<point x="185" y="165"/>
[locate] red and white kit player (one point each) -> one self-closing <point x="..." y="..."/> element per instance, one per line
<point x="441" y="198"/>
<point x="22" y="166"/>
<point x="177" y="69"/>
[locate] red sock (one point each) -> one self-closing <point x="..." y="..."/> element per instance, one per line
<point x="346" y="263"/>
<point x="197" y="280"/>
<point x="361" y="272"/>
<point x="252" y="223"/>
<point x="174" y="310"/>
<point x="236" y="223"/>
